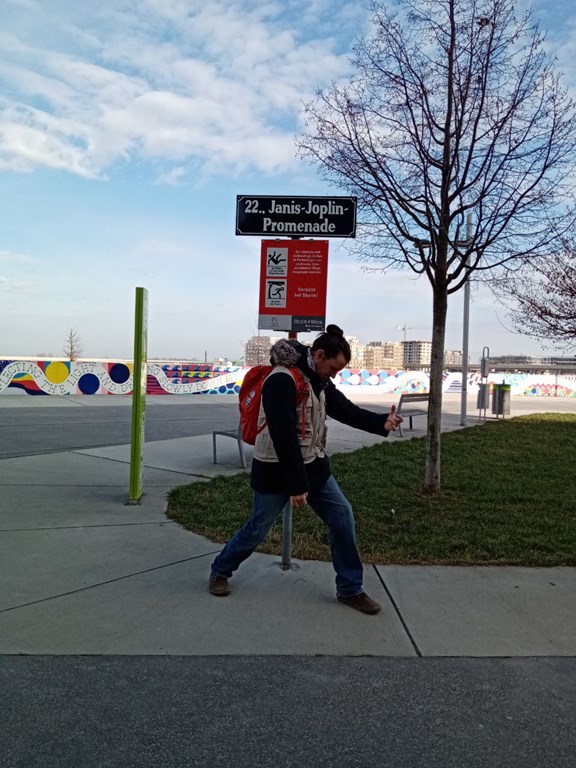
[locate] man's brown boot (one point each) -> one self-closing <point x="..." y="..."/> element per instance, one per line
<point x="218" y="585"/>
<point x="361" y="603"/>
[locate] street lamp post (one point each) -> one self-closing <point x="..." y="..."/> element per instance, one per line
<point x="465" y="333"/>
<point x="465" y="323"/>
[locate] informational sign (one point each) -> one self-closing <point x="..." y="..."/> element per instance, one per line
<point x="138" y="396"/>
<point x="284" y="216"/>
<point x="293" y="277"/>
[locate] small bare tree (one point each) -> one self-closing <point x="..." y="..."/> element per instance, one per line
<point x="72" y="346"/>
<point x="460" y="144"/>
<point x="541" y="299"/>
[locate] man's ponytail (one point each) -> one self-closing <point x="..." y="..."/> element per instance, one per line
<point x="333" y="343"/>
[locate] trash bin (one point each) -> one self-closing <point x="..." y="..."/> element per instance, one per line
<point x="501" y="395"/>
<point x="483" y="399"/>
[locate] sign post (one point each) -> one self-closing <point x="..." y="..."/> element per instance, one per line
<point x="138" y="395"/>
<point x="293" y="279"/>
<point x="294" y="273"/>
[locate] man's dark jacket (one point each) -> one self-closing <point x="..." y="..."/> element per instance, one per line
<point x="290" y="475"/>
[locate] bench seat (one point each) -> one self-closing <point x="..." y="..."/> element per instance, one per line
<point x="407" y="410"/>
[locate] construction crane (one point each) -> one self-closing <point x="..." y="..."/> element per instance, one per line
<point x="409" y="328"/>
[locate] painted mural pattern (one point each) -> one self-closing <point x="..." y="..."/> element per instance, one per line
<point x="62" y="377"/>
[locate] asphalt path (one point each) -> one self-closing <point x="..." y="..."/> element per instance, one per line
<point x="34" y="428"/>
<point x="287" y="712"/>
<point x="38" y="425"/>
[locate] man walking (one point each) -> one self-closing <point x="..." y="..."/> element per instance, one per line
<point x="290" y="463"/>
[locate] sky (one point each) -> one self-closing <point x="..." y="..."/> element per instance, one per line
<point x="127" y="129"/>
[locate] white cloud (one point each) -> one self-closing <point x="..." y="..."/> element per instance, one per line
<point x="11" y="258"/>
<point x="9" y="284"/>
<point x="30" y="138"/>
<point x="174" y="80"/>
<point x="175" y="176"/>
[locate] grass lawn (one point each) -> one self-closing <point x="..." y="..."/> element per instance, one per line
<point x="508" y="498"/>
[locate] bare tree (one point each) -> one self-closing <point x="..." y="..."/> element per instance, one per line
<point x="454" y="109"/>
<point x="541" y="299"/>
<point x="72" y="346"/>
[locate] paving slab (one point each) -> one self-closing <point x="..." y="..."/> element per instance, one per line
<point x="41" y="564"/>
<point x="71" y="489"/>
<point x="168" y="610"/>
<point x="73" y="469"/>
<point x="191" y="456"/>
<point x="43" y="506"/>
<point x="194" y="456"/>
<point x="486" y="611"/>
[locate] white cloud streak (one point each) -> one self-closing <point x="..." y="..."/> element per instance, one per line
<point x="173" y="81"/>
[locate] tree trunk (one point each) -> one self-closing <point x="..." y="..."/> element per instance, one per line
<point x="433" y="463"/>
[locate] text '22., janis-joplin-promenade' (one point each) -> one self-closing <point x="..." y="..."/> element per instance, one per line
<point x="296" y="216"/>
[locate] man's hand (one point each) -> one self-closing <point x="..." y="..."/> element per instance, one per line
<point x="393" y="421"/>
<point x="299" y="501"/>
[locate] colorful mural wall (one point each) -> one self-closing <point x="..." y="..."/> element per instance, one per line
<point x="62" y="377"/>
<point x="84" y="377"/>
<point x="400" y="381"/>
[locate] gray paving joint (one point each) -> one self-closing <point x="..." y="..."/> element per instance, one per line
<point x="108" y="581"/>
<point x="81" y="527"/>
<point x="150" y="466"/>
<point x="398" y="612"/>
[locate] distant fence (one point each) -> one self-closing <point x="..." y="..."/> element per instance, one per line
<point x="114" y="377"/>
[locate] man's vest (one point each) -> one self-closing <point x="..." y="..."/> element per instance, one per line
<point x="314" y="441"/>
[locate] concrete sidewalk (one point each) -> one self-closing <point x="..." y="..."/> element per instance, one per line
<point x="83" y="573"/>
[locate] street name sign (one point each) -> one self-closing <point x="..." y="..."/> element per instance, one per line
<point x="286" y="216"/>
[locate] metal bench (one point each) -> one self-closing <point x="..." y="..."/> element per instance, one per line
<point x="236" y="434"/>
<point x="409" y="412"/>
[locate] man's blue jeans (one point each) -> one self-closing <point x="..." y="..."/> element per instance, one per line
<point x="330" y="505"/>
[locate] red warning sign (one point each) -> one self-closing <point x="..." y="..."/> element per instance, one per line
<point x="293" y="278"/>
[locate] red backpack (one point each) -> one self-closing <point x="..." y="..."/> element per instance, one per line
<point x="251" y="394"/>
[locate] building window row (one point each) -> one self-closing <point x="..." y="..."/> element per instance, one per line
<point x="376" y="355"/>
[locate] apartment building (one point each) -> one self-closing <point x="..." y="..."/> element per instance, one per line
<point x="357" y="350"/>
<point x="376" y="355"/>
<point x="453" y="358"/>
<point x="380" y="355"/>
<point x="417" y="353"/>
<point x="257" y="349"/>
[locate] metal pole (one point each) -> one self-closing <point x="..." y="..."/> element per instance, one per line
<point x="484" y="374"/>
<point x="138" y="396"/>
<point x="465" y="334"/>
<point x="286" y="563"/>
